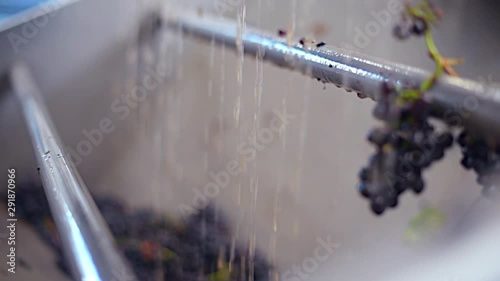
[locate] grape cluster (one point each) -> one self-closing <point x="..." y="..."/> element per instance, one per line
<point x="405" y="146"/>
<point x="484" y="159"/>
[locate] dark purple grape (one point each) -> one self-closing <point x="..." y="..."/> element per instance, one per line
<point x="419" y="110"/>
<point x="378" y="136"/>
<point x="364" y="174"/>
<point x="438" y="154"/>
<point x="462" y="139"/>
<point x="418" y="186"/>
<point x="447" y="139"/>
<point x="399" y="188"/>
<point x="467" y="162"/>
<point x="392" y="200"/>
<point x="378" y="205"/>
<point x="363" y="190"/>
<point x="419" y="26"/>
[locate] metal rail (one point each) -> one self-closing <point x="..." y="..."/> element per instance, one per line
<point x="458" y="101"/>
<point x="87" y="242"/>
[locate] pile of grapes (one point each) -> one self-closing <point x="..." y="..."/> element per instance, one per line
<point x="156" y="247"/>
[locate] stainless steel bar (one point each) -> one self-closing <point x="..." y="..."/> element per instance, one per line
<point x="87" y="242"/>
<point x="457" y="101"/>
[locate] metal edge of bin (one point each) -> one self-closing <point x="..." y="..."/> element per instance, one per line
<point x="87" y="242"/>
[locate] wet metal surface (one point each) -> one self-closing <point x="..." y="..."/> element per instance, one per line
<point x="457" y="101"/>
<point x="87" y="242"/>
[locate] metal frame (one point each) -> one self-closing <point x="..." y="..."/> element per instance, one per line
<point x="456" y="101"/>
<point x="87" y="242"/>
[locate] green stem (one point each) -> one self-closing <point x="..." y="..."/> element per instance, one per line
<point x="436" y="56"/>
<point x="414" y="94"/>
<point x="424" y="12"/>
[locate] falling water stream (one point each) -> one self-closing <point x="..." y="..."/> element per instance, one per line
<point x="211" y="63"/>
<point x="241" y="26"/>
<point x="179" y="73"/>
<point x="222" y="94"/>
<point x="254" y="180"/>
<point x="240" y="30"/>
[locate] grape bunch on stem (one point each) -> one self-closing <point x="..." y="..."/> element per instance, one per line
<point x="407" y="143"/>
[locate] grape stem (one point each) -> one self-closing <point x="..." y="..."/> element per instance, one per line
<point x="430" y="16"/>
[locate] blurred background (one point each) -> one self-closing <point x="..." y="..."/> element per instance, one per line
<point x="9" y="7"/>
<point x="87" y="56"/>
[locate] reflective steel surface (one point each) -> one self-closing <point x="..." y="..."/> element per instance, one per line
<point x="87" y="242"/>
<point x="458" y="101"/>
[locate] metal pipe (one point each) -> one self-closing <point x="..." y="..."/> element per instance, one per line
<point x="87" y="241"/>
<point x="457" y="101"/>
